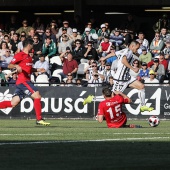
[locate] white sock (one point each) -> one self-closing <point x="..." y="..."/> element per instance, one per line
<point x="141" y="95"/>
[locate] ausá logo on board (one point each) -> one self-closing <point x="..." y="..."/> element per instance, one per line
<point x="68" y="105"/>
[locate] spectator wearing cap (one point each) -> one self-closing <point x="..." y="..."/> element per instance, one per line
<point x="86" y="36"/>
<point x="161" y="60"/>
<point x="64" y="32"/>
<point x="89" y="25"/>
<point x="116" y="38"/>
<point x="49" y="34"/>
<point x="126" y="38"/>
<point x="107" y="72"/>
<point x="49" y="48"/>
<point x="89" y="29"/>
<point x="143" y="72"/>
<point x="156" y="45"/>
<point x="166" y="50"/>
<point x="105" y="47"/>
<point x="75" y="36"/>
<point x="151" y="81"/>
<point x="24" y="27"/>
<point x="145" y="42"/>
<point x="159" y="70"/>
<point x="65" y="25"/>
<point x="102" y="32"/>
<point x="145" y="56"/>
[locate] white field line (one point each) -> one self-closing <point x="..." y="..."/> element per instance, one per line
<point x="53" y="134"/>
<point x="82" y="141"/>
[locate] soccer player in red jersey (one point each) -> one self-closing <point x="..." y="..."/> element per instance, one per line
<point x="22" y="61"/>
<point x="111" y="109"/>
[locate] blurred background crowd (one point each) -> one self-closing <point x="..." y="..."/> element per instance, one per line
<point x="75" y="53"/>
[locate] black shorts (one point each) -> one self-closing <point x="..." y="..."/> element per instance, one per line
<point x="24" y="89"/>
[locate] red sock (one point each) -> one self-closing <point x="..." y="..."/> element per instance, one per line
<point x="5" y="104"/>
<point x="37" y="107"/>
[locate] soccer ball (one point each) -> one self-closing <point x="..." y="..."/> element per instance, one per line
<point x="154" y="121"/>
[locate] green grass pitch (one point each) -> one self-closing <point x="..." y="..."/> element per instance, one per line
<point x="83" y="145"/>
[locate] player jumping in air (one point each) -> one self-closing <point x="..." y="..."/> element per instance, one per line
<point x="122" y="76"/>
<point x="22" y="61"/>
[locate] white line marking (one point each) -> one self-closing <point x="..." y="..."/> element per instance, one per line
<point x="81" y="141"/>
<point x="52" y="134"/>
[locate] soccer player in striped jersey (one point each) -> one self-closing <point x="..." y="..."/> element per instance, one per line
<point x="122" y="76"/>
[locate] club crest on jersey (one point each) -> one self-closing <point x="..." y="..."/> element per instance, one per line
<point x="29" y="64"/>
<point x="108" y="104"/>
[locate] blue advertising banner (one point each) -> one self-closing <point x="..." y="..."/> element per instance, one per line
<point x="67" y="102"/>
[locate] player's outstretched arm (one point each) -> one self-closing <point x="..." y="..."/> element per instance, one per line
<point x="123" y="95"/>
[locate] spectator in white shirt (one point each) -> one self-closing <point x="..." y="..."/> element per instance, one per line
<point x="42" y="63"/>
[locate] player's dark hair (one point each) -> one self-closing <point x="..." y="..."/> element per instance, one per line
<point x="134" y="42"/>
<point x="107" y="92"/>
<point x="27" y="41"/>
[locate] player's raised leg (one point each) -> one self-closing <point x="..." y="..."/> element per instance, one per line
<point x="5" y="104"/>
<point x="141" y="94"/>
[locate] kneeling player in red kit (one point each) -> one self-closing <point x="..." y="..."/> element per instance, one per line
<point x="111" y="109"/>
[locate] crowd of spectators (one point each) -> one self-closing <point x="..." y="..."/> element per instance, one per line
<point x="84" y="55"/>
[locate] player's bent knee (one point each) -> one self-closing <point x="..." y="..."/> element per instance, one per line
<point x="15" y="101"/>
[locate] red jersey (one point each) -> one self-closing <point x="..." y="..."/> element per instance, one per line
<point x="25" y="62"/>
<point x="69" y="66"/>
<point x="112" y="110"/>
<point x="105" y="45"/>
